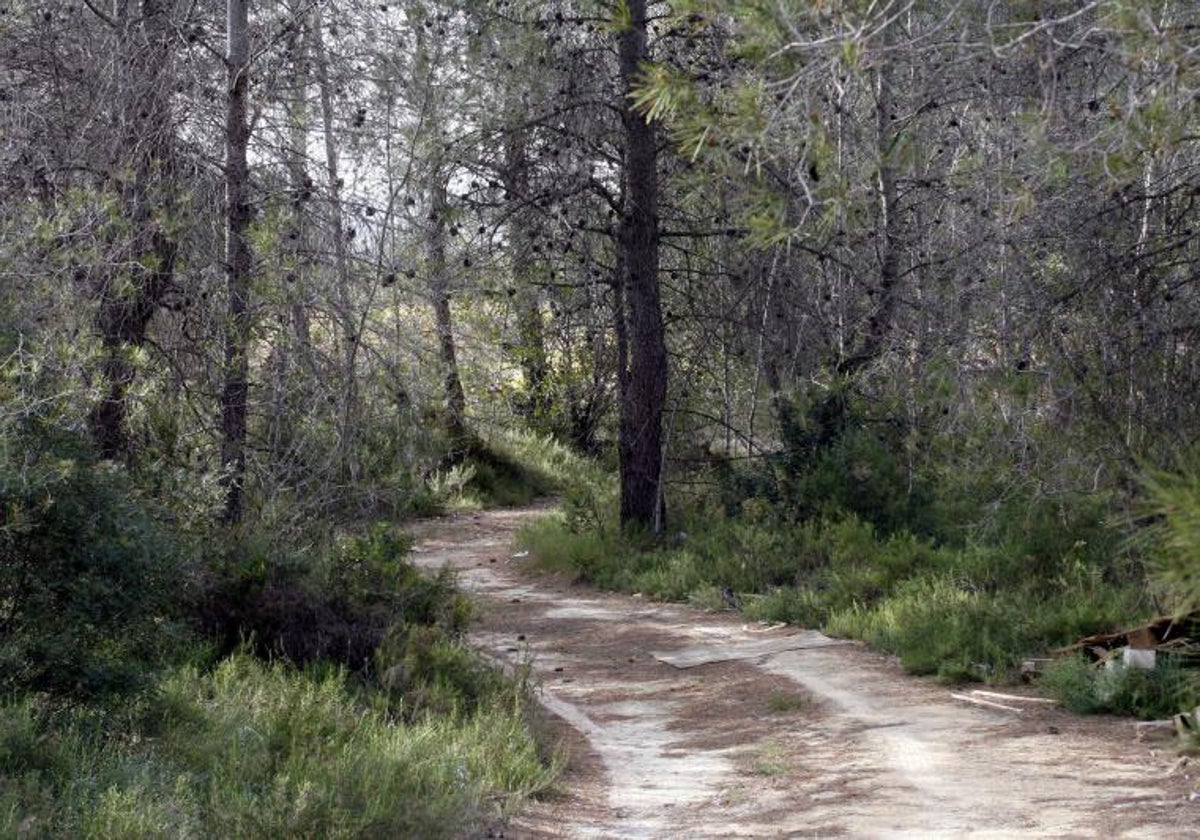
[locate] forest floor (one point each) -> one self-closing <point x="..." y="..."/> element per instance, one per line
<point x="782" y="738"/>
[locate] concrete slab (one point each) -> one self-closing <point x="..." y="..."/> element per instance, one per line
<point x="690" y="657"/>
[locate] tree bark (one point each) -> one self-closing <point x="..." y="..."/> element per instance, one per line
<point x="146" y="149"/>
<point x="439" y="288"/>
<point x="348" y="417"/>
<point x="888" y="236"/>
<point x="531" y="351"/>
<point x="239" y="263"/>
<point x="644" y="388"/>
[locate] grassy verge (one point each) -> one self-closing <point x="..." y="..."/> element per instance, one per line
<point x="510" y="466"/>
<point x="158" y="683"/>
<point x="971" y="611"/>
<point x="249" y="749"/>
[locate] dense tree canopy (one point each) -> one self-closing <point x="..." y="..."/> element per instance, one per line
<point x="299" y="257"/>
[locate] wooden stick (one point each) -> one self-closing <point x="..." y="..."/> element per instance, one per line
<point x="988" y="703"/>
<point x="995" y="695"/>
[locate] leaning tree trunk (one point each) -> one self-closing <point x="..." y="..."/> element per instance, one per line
<point x="238" y="264"/>
<point x="644" y="386"/>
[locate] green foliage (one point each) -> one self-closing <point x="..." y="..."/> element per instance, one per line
<point x="1089" y="688"/>
<point x="254" y="750"/>
<point x="512" y="468"/>
<point x="935" y="626"/>
<point x="424" y="669"/>
<point x="334" y="606"/>
<point x="970" y="612"/>
<point x="839" y="457"/>
<point x="1174" y="538"/>
<point x="781" y="702"/>
<point x="89" y="576"/>
<point x="584" y="555"/>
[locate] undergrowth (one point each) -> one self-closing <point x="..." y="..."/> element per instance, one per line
<point x="865" y="527"/>
<point x="511" y="466"/>
<point x="237" y="683"/>
<point x="973" y="611"/>
<point x="250" y="749"/>
<point x="1089" y="688"/>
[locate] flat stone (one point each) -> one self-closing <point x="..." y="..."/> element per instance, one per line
<point x="690" y="657"/>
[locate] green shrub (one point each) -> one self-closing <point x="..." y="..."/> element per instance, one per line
<point x="337" y="606"/>
<point x="584" y="555"/>
<point x="1174" y="536"/>
<point x="937" y="627"/>
<point x="843" y="453"/>
<point x="89" y="576"/>
<point x="422" y="669"/>
<point x="795" y="605"/>
<point x="1088" y="688"/>
<point x="260" y="751"/>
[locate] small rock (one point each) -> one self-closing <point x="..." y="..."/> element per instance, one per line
<point x="558" y="670"/>
<point x="520" y="637"/>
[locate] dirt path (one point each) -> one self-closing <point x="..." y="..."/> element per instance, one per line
<point x="817" y="741"/>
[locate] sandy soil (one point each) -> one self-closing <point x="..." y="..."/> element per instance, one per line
<point x="827" y="741"/>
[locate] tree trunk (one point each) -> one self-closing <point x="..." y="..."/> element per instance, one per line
<point x="644" y="387"/>
<point x="146" y="149"/>
<point x="348" y="417"/>
<point x="238" y="264"/>
<point x="888" y="237"/>
<point x="531" y="350"/>
<point x="439" y="288"/>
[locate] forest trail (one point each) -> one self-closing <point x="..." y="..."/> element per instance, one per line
<point x="815" y="741"/>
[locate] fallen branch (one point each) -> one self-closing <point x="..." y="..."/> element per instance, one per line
<point x="995" y="695"/>
<point x="1145" y="728"/>
<point x="979" y="701"/>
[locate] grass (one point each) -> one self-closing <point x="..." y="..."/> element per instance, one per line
<point x="512" y="466"/>
<point x="271" y="683"/>
<point x="1089" y="688"/>
<point x="962" y="612"/>
<point x="782" y="702"/>
<point x="771" y="759"/>
<point x="258" y="750"/>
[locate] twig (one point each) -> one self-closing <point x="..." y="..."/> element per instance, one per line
<point x="995" y="695"/>
<point x="988" y="703"/>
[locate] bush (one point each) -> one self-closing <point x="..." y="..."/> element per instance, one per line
<point x="422" y="669"/>
<point x="1173" y="505"/>
<point x="846" y="454"/>
<point x="583" y="554"/>
<point x="1088" y="688"/>
<point x="260" y="751"/>
<point x="337" y="607"/>
<point x="89" y="576"/>
<point x="937" y="627"/>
